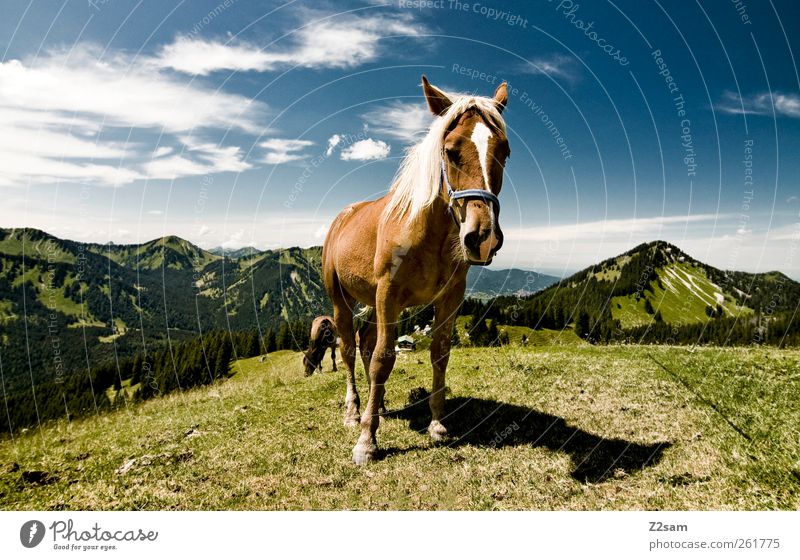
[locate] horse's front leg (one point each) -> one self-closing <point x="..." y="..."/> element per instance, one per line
<point x="446" y="311"/>
<point x="380" y="366"/>
<point x="368" y="334"/>
<point x="333" y="355"/>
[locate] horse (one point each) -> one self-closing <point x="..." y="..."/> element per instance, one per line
<point x="414" y="246"/>
<point x="323" y="336"/>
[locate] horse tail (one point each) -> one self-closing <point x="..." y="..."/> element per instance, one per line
<point x="365" y="315"/>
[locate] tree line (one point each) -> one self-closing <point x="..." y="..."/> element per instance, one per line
<point x="179" y="366"/>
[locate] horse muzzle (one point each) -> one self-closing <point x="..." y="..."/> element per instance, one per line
<point x="480" y="248"/>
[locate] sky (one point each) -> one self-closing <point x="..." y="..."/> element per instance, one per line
<point x="234" y="123"/>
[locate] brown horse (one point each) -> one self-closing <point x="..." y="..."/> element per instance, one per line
<point x="323" y="336"/>
<point x="415" y="245"/>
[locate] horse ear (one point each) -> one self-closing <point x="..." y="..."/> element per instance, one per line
<point x="438" y="102"/>
<point x="501" y="96"/>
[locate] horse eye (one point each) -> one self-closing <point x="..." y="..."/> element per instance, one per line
<point x="453" y="155"/>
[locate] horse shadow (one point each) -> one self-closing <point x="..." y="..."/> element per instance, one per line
<point x="494" y="424"/>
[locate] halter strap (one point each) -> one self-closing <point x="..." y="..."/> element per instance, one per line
<point x="483" y="194"/>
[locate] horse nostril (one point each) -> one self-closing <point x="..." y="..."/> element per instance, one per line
<point x="472" y="241"/>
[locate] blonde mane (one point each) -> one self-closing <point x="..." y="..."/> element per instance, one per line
<point x="418" y="181"/>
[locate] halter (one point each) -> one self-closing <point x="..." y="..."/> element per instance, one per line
<point x="468" y="194"/>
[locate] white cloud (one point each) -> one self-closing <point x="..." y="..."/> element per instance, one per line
<point x="565" y="248"/>
<point x="365" y="150"/>
<point x="605" y="228"/>
<point x="321" y="232"/>
<point x="234" y="241"/>
<point x="333" y="141"/>
<point x="555" y="66"/>
<point x="284" y="150"/>
<point x="343" y="41"/>
<point x="786" y="233"/>
<point x="219" y="158"/>
<point x="63" y="115"/>
<point x="208" y="158"/>
<point x="173" y="167"/>
<point x="408" y="122"/>
<point x="786" y="104"/>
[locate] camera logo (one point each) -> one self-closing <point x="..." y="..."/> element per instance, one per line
<point x="31" y="533"/>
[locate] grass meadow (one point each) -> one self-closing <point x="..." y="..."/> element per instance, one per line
<point x="544" y="427"/>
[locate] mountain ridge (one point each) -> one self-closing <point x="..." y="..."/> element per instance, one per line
<point x="653" y="285"/>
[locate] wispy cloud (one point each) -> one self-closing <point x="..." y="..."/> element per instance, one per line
<point x="555" y="66"/>
<point x="408" y="122"/>
<point x="606" y="228"/>
<point x="710" y="238"/>
<point x="63" y="116"/>
<point x="333" y="141"/>
<point x="338" y="42"/>
<point x="284" y="150"/>
<point x="785" y="104"/>
<point x="365" y="150"/>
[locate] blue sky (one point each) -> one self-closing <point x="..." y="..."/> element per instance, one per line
<point x="236" y="123"/>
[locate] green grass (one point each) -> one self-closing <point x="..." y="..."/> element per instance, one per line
<point x="538" y="337"/>
<point x="19" y="242"/>
<point x="6" y="311"/>
<point x="682" y="298"/>
<point x="578" y="427"/>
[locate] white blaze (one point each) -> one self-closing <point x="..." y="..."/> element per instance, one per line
<point x="480" y="137"/>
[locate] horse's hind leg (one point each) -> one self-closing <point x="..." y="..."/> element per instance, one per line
<point x="368" y="336"/>
<point x="343" y="317"/>
<point x="333" y="354"/>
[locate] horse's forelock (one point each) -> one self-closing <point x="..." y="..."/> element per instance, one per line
<point x="418" y="180"/>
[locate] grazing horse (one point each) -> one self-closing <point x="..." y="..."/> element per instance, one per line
<point x="415" y="245"/>
<point x="323" y="336"/>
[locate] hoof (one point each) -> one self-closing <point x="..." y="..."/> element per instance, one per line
<point x="364" y="453"/>
<point x="437" y="431"/>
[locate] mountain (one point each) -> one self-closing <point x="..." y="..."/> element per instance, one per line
<point x="234" y="253"/>
<point x="66" y="306"/>
<point x="484" y="283"/>
<point x="657" y="283"/>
